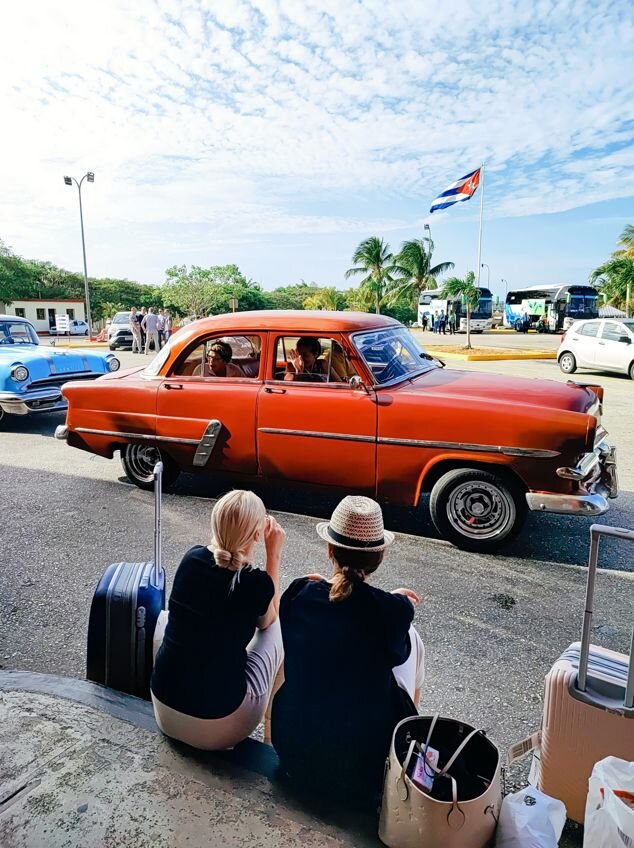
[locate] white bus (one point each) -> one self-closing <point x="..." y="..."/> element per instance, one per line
<point x="550" y="308"/>
<point x="432" y="302"/>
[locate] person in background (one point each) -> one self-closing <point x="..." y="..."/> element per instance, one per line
<point x="167" y="325"/>
<point x="423" y="322"/>
<point x="451" y="321"/>
<point x="135" y="328"/>
<point x="353" y="663"/>
<point x="436" y="324"/>
<point x="140" y="318"/>
<point x="160" y="321"/>
<point x="222" y="645"/>
<point x="150" y="325"/>
<point x="442" y="323"/>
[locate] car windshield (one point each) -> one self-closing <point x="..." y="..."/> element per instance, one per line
<point x="628" y="325"/>
<point x="121" y="318"/>
<point x="159" y="360"/>
<point x="392" y="354"/>
<point x="17" y="332"/>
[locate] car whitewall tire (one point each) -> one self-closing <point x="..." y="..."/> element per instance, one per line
<point x="138" y="463"/>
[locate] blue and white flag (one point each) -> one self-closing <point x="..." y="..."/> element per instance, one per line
<point x="463" y="189"/>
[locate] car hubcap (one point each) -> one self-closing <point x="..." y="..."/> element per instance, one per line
<point x="566" y="363"/>
<point x="141" y="460"/>
<point x="480" y="510"/>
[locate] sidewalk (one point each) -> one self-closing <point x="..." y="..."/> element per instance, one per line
<point x="81" y="765"/>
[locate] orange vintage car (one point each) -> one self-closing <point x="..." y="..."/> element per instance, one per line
<point x="351" y="402"/>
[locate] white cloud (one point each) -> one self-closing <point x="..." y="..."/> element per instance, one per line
<point x="248" y="116"/>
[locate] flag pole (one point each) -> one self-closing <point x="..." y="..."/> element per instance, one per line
<point x="481" y="212"/>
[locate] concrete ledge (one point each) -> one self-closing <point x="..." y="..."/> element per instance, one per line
<point x="474" y="356"/>
<point x="83" y="765"/>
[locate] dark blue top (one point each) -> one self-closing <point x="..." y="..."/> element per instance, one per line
<point x="213" y="613"/>
<point x="333" y="717"/>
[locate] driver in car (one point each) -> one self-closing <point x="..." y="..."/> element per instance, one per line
<point x="218" y="362"/>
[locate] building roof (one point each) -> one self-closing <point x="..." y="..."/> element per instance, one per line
<point x="46" y="300"/>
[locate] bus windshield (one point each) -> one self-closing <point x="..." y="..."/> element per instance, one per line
<point x="583" y="306"/>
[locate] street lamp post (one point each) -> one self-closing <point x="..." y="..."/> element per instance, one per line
<point x="90" y="177"/>
<point x="484" y="265"/>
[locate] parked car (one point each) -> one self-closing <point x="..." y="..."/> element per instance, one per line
<point x="119" y="332"/>
<point x="75" y="328"/>
<point x="31" y="374"/>
<point x="599" y="344"/>
<point x="358" y="406"/>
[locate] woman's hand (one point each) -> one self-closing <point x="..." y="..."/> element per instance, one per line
<point x="296" y="361"/>
<point x="274" y="538"/>
<point x="414" y="598"/>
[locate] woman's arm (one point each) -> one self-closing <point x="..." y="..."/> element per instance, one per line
<point x="274" y="538"/>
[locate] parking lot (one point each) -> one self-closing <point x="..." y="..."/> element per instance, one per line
<point x="492" y="624"/>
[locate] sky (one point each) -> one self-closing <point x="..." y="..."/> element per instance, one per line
<point x="277" y="134"/>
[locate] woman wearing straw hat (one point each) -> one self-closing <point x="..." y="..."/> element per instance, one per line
<point x="353" y="663"/>
<point x="222" y="647"/>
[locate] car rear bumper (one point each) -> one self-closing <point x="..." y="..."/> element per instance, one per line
<point x="38" y="400"/>
<point x="598" y="482"/>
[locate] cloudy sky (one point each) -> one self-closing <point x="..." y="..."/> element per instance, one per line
<point x="278" y="133"/>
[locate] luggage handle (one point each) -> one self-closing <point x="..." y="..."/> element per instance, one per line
<point x="158" y="480"/>
<point x="596" y="531"/>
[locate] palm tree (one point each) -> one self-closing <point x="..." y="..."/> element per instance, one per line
<point x="616" y="278"/>
<point x="468" y="291"/>
<point x="327" y="298"/>
<point x="626" y="242"/>
<point x="414" y="270"/>
<point x="373" y="258"/>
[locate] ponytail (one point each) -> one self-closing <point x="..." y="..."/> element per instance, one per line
<point x="352" y="567"/>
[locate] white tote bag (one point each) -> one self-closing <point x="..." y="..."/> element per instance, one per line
<point x="468" y="773"/>
<point x="609" y="821"/>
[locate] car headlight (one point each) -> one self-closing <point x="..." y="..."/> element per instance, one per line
<point x="113" y="364"/>
<point x="20" y="373"/>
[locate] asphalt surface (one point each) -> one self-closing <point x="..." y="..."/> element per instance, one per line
<point x="492" y="625"/>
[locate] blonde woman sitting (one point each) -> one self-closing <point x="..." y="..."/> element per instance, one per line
<point x="222" y="646"/>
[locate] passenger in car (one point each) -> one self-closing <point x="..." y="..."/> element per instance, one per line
<point x="305" y="365"/>
<point x="222" y="645"/>
<point x="353" y="663"/>
<point x="218" y="362"/>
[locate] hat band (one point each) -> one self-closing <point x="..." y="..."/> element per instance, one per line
<point x="353" y="543"/>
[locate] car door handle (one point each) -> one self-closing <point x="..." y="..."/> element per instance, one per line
<point x="271" y="391"/>
<point x="174" y="387"/>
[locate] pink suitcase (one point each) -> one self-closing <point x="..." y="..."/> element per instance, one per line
<point x="588" y="705"/>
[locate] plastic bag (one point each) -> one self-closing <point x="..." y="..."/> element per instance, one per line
<point x="530" y="819"/>
<point x="609" y="821"/>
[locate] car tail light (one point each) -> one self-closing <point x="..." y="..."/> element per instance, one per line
<point x="563" y="335"/>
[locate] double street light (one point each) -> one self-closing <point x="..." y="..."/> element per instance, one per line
<point x="89" y="177"/>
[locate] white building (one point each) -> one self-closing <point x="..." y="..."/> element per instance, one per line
<point x="42" y="313"/>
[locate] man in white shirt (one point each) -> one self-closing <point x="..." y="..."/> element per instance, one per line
<point x="150" y="325"/>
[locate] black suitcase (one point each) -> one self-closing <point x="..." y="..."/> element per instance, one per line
<point x="123" y="614"/>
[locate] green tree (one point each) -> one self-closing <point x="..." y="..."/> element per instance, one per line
<point x="373" y="258"/>
<point x="208" y="291"/>
<point x="468" y="291"/>
<point x="414" y="272"/>
<point x="626" y="242"/>
<point x="291" y="297"/>
<point x="615" y="279"/>
<point x="326" y="298"/>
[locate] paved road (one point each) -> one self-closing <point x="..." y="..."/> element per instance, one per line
<point x="492" y="625"/>
<point x="496" y="338"/>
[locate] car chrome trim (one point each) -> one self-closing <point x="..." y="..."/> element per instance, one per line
<point x="535" y="453"/>
<point x="28" y="397"/>
<point x="142" y="436"/>
<point x="590" y="461"/>
<point x="316" y="434"/>
<point x="594" y="504"/>
<point x="207" y="443"/>
<point x="61" y="432"/>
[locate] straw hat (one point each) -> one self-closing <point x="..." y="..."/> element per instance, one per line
<point x="357" y="524"/>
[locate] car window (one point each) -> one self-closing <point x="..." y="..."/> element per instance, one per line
<point x="311" y="359"/>
<point x="121" y="318"/>
<point x="613" y="331"/>
<point x="221" y="356"/>
<point x="17" y="332"/>
<point x="392" y="354"/>
<point x="589" y="329"/>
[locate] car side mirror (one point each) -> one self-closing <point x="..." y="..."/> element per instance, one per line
<point x="355" y="382"/>
<point x="625" y="339"/>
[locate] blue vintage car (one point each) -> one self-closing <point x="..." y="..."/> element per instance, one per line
<point x="32" y="375"/>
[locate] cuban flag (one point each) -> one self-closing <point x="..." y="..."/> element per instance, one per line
<point x="463" y="189"/>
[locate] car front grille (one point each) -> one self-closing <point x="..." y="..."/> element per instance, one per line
<point x="59" y="380"/>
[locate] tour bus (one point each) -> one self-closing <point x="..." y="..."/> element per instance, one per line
<point x="432" y="302"/>
<point x="549" y="308"/>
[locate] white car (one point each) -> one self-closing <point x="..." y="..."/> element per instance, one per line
<point x="75" y="328"/>
<point x="601" y="344"/>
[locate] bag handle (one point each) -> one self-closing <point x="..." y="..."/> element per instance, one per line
<point x="457" y="752"/>
<point x="158" y="480"/>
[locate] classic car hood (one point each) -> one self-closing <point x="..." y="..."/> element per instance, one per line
<point x="496" y="388"/>
<point x="58" y="361"/>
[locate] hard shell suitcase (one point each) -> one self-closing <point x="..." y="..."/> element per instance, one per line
<point x="123" y="614"/>
<point x="588" y="705"/>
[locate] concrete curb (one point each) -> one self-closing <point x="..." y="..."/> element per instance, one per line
<point x="492" y="357"/>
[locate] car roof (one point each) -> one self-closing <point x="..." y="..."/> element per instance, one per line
<point x="304" y="320"/>
<point x="14" y="318"/>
